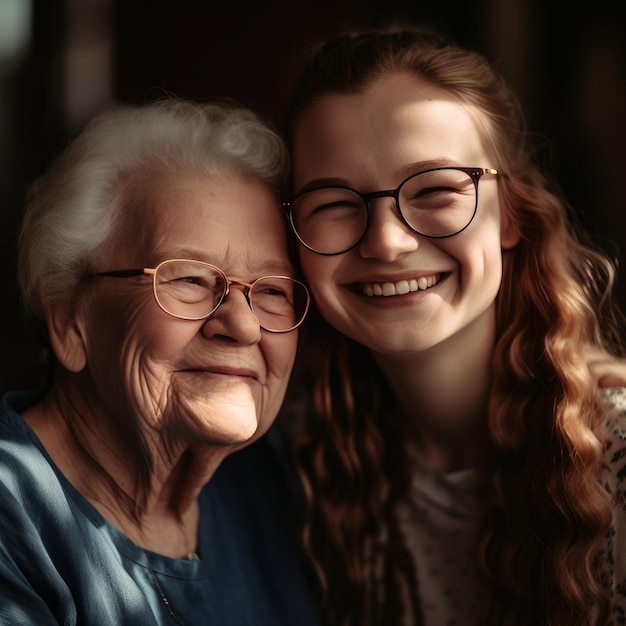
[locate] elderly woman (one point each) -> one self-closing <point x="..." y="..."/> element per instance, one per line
<point x="153" y="253"/>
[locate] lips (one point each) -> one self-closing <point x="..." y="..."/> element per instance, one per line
<point x="400" y="287"/>
<point x="226" y="371"/>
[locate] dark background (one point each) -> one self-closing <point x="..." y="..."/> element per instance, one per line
<point x="567" y="65"/>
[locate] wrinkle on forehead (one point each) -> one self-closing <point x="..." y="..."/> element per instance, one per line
<point x="230" y="221"/>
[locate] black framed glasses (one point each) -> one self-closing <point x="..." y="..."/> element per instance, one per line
<point x="437" y="203"/>
<point x="194" y="290"/>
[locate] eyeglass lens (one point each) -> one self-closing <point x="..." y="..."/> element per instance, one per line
<point x="194" y="290"/>
<point x="437" y="203"/>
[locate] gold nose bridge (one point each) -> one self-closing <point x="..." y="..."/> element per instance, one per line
<point x="247" y="287"/>
<point x="240" y="283"/>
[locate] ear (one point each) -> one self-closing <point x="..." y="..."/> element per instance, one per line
<point x="66" y="338"/>
<point x="509" y="233"/>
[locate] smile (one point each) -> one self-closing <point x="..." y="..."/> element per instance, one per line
<point x="228" y="372"/>
<point x="400" y="287"/>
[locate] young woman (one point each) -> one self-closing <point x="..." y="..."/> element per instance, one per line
<point x="462" y="460"/>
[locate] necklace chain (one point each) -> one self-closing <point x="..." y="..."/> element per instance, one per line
<point x="166" y="602"/>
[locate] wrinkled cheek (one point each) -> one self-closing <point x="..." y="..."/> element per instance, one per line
<point x="150" y="393"/>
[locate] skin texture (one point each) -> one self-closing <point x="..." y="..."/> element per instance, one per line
<point x="434" y="340"/>
<point x="191" y="391"/>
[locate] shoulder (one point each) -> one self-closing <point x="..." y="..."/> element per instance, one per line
<point x="35" y="498"/>
<point x="23" y="464"/>
<point x="610" y="561"/>
<point x="613" y="436"/>
<point x="607" y="370"/>
<point x="613" y="430"/>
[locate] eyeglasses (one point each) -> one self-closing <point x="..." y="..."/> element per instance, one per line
<point x="436" y="203"/>
<point x="194" y="290"/>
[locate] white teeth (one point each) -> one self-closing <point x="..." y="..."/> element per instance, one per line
<point x="401" y="287"/>
<point x="424" y="283"/>
<point x="389" y="289"/>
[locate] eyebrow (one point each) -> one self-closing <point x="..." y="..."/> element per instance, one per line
<point x="421" y="166"/>
<point x="405" y="171"/>
<point x="278" y="268"/>
<point x="271" y="267"/>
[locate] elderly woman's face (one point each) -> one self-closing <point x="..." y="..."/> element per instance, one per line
<point x="219" y="380"/>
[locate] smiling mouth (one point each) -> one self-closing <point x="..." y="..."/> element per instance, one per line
<point x="401" y="287"/>
<point x="227" y="372"/>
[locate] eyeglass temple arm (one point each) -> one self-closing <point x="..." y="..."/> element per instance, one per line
<point x="127" y="273"/>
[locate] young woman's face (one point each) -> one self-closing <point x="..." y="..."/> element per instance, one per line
<point x="370" y="142"/>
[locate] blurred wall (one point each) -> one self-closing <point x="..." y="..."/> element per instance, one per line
<point x="76" y="57"/>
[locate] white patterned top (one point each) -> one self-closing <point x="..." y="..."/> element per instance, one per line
<point x="441" y="522"/>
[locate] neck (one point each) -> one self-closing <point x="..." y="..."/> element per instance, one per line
<point x="142" y="484"/>
<point x="444" y="391"/>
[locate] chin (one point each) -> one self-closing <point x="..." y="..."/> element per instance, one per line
<point x="401" y="346"/>
<point x="240" y="431"/>
<point x="226" y="418"/>
<point x="231" y="425"/>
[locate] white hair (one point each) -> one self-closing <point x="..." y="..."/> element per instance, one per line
<point x="72" y="210"/>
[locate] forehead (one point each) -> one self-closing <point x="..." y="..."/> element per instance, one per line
<point x="223" y="218"/>
<point x="399" y="119"/>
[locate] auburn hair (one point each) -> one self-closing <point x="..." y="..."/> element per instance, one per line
<point x="547" y="509"/>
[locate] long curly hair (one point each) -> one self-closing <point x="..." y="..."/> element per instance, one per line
<point x="547" y="510"/>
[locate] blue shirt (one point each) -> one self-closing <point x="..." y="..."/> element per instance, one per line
<point x="61" y="562"/>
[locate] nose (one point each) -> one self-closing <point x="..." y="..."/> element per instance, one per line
<point x="234" y="320"/>
<point x="387" y="236"/>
